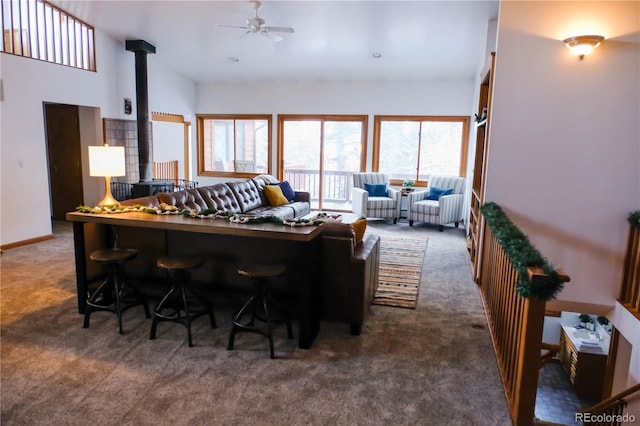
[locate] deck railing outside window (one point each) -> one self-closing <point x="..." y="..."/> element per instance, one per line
<point x="39" y="30"/>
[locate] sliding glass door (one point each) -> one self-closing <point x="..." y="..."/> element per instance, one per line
<point x="319" y="154"/>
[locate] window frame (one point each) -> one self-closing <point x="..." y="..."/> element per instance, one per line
<point x="464" y="147"/>
<point x="321" y="118"/>
<point x="200" y="118"/>
<point x="363" y="119"/>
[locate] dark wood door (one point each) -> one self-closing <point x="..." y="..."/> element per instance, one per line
<point x="65" y="164"/>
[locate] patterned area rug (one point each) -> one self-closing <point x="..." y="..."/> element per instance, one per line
<point x="400" y="269"/>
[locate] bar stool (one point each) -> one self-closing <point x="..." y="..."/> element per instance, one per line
<point x="260" y="304"/>
<point x="177" y="305"/>
<point x="114" y="294"/>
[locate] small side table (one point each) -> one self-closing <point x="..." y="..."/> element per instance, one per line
<point x="404" y="203"/>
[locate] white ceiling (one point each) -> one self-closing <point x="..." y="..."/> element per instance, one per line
<point x="333" y="40"/>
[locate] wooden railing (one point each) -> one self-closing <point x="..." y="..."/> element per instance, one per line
<point x="515" y="322"/>
<point x="609" y="412"/>
<point x="630" y="290"/>
<point x="165" y="170"/>
<point x="336" y="185"/>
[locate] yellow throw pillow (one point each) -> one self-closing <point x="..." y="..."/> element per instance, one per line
<point x="359" y="227"/>
<point x="275" y="195"/>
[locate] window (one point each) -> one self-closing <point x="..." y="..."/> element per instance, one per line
<point x="39" y="30"/>
<point x="233" y="144"/>
<point x="319" y="154"/>
<point x="416" y="147"/>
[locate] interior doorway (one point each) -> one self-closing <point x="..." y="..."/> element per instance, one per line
<point x="62" y="130"/>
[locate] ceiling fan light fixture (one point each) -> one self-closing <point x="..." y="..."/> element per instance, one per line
<point x="256" y="25"/>
<point x="377" y="55"/>
<point x="234" y="59"/>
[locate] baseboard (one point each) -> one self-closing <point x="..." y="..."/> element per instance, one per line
<point x="26" y="242"/>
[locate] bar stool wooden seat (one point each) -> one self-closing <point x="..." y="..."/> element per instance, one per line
<point x="260" y="305"/>
<point x="114" y="294"/>
<point x="181" y="304"/>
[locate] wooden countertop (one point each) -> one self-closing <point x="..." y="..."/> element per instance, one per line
<point x="205" y="226"/>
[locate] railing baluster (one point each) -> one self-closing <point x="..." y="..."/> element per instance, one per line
<point x="515" y="324"/>
<point x="630" y="289"/>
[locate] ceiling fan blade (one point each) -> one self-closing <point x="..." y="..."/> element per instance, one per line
<point x="231" y="26"/>
<point x="280" y="29"/>
<point x="272" y="36"/>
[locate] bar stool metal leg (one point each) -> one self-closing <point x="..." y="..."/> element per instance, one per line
<point x="177" y="305"/>
<point x="261" y="299"/>
<point x="110" y="295"/>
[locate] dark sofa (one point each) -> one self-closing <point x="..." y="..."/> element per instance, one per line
<point x="348" y="270"/>
<point x="246" y="197"/>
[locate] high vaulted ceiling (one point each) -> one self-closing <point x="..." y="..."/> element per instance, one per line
<point x="333" y="40"/>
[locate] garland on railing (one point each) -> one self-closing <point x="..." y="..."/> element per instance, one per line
<point x="522" y="255"/>
<point x="211" y="213"/>
<point x="634" y="219"/>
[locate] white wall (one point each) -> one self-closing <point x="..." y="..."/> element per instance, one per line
<point x="168" y="144"/>
<point x="27" y="84"/>
<point x="564" y="154"/>
<point x="352" y="97"/>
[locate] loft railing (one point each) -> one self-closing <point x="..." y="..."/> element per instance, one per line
<point x="610" y="412"/>
<point x="515" y="283"/>
<point x="630" y="290"/>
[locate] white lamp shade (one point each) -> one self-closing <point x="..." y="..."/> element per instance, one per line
<point x="106" y="161"/>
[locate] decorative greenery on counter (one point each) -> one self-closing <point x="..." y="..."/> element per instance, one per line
<point x="242" y="218"/>
<point x="204" y="214"/>
<point x="163" y="209"/>
<point x="634" y="219"/>
<point x="522" y="255"/>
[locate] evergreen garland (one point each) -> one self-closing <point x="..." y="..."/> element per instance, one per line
<point x="125" y="209"/>
<point x="634" y="219"/>
<point x="522" y="255"/>
<point x="211" y="213"/>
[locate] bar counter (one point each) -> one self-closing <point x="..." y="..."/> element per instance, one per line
<point x="221" y="243"/>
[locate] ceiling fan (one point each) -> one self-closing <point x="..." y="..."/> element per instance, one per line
<point x="257" y="25"/>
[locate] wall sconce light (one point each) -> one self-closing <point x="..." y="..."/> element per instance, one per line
<point x="583" y="45"/>
<point x="107" y="161"/>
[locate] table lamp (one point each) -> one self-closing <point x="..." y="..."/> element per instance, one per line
<point x="107" y="161"/>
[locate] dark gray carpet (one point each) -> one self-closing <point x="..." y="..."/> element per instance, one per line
<point x="430" y="366"/>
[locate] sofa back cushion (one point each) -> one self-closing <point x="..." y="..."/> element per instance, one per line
<point x="260" y="181"/>
<point x="247" y="195"/>
<point x="148" y="201"/>
<point x="219" y="196"/>
<point x="185" y="199"/>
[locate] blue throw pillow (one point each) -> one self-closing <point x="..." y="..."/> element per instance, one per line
<point x="376" y="190"/>
<point x="287" y="191"/>
<point x="436" y="193"/>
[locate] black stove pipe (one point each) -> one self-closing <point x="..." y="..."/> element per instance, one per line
<point x="141" y="48"/>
